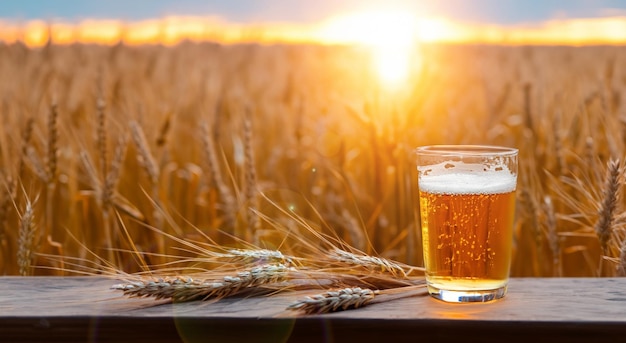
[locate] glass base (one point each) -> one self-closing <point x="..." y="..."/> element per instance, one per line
<point x="467" y="296"/>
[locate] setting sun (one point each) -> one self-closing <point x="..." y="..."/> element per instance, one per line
<point x="391" y="35"/>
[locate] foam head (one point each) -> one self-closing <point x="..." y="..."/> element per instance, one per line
<point x="466" y="178"/>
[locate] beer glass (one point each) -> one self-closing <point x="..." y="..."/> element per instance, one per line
<point x="467" y="207"/>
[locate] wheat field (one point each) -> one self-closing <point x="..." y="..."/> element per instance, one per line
<point x="115" y="156"/>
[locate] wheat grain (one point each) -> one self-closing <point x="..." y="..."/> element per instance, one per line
<point x="26" y="137"/>
<point x="262" y="256"/>
<point x="353" y="298"/>
<point x="532" y="210"/>
<point x="354" y="226"/>
<point x="606" y="213"/>
<point x="369" y="262"/>
<point x="590" y="159"/>
<point x="115" y="171"/>
<point x="150" y="166"/>
<point x="26" y="241"/>
<point x="553" y="235"/>
<point x="36" y="165"/>
<point x="101" y="133"/>
<point x="251" y="181"/>
<point x="145" y="158"/>
<point x="332" y="301"/>
<point x="53" y="137"/>
<point x="187" y="289"/>
<point x="561" y="162"/>
<point x="226" y="197"/>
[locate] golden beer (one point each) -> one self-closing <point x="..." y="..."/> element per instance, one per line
<point x="467" y="239"/>
<point x="467" y="212"/>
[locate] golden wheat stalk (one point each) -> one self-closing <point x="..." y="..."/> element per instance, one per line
<point x="26" y="137"/>
<point x="53" y="138"/>
<point x="354" y="227"/>
<point x="258" y="256"/>
<point x="335" y="300"/>
<point x="553" y="235"/>
<point x="532" y="210"/>
<point x="26" y="241"/>
<point x="114" y="172"/>
<point x="36" y="165"/>
<point x="372" y="263"/>
<point x="151" y="167"/>
<point x="607" y="211"/>
<point x="254" y="224"/>
<point x="351" y="298"/>
<point x="227" y="199"/>
<point x="101" y="133"/>
<point x="145" y="158"/>
<point x="187" y="289"/>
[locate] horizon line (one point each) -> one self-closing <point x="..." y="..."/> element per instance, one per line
<point x="171" y="30"/>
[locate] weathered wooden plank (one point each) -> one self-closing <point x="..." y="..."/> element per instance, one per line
<point x="85" y="309"/>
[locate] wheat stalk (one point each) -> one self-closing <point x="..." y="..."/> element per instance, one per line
<point x="351" y="298"/>
<point x="354" y="227"/>
<point x="258" y="256"/>
<point x="36" y="165"/>
<point x="101" y="133"/>
<point x="145" y="158"/>
<point x="335" y="300"/>
<point x="372" y="263"/>
<point x="114" y="173"/>
<point x="109" y="192"/>
<point x="226" y="197"/>
<point x="150" y="166"/>
<point x="553" y="235"/>
<point x="26" y="137"/>
<point x="558" y="145"/>
<point x="26" y="240"/>
<point x="53" y="137"/>
<point x="187" y="289"/>
<point x="607" y="211"/>
<point x="590" y="159"/>
<point x="114" y="198"/>
<point x="533" y="212"/>
<point x="51" y="177"/>
<point x="106" y="190"/>
<point x="251" y="180"/>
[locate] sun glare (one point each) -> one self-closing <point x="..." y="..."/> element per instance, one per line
<point x="391" y="36"/>
<point x="392" y="64"/>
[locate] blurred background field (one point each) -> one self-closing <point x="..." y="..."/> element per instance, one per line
<point x="106" y="146"/>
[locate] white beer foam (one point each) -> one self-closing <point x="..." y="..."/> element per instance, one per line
<point x="464" y="178"/>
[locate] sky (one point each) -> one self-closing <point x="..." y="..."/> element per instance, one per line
<point x="500" y="12"/>
<point x="325" y="21"/>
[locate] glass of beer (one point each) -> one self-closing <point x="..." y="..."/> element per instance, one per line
<point x="467" y="207"/>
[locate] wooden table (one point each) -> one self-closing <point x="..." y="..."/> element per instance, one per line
<point x="84" y="309"/>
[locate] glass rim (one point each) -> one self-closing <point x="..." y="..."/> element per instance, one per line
<point x="465" y="150"/>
